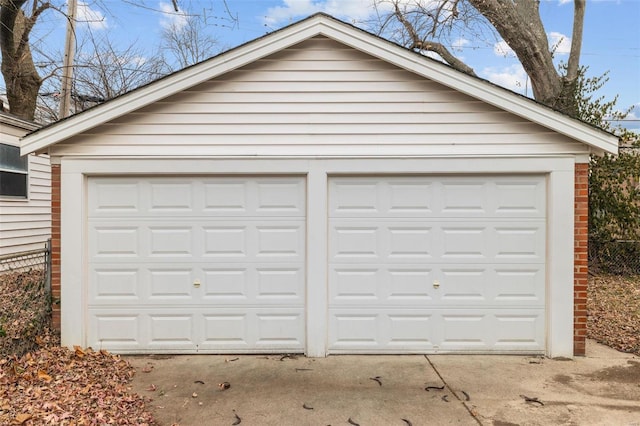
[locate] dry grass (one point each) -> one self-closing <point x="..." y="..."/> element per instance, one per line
<point x="613" y="307"/>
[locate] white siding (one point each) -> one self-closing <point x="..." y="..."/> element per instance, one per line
<point x="25" y="224"/>
<point x="320" y="97"/>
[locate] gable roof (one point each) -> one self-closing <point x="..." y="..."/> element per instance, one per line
<point x="323" y="25"/>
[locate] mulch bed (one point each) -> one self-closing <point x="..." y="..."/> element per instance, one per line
<point x="613" y="306"/>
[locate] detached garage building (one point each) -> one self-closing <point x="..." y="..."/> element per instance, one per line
<point x="321" y="190"/>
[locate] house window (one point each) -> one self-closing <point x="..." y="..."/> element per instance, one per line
<point x="13" y="172"/>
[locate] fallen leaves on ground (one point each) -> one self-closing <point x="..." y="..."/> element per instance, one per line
<point x="613" y="305"/>
<point x="57" y="386"/>
<point x="25" y="312"/>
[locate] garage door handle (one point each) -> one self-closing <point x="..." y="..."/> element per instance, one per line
<point x="436" y="284"/>
<point x="196" y="283"/>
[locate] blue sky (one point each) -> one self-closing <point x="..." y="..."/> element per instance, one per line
<point x="611" y="39"/>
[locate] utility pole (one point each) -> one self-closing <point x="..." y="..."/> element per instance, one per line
<point x="67" y="66"/>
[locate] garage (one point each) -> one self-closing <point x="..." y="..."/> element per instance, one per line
<point x="453" y="263"/>
<point x="196" y="264"/>
<point x="320" y="190"/>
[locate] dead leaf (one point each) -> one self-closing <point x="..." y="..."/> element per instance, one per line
<point x="79" y="352"/>
<point x="42" y="375"/>
<point x="151" y="388"/>
<point x="54" y="385"/>
<point x="613" y="307"/>
<point x="21" y="418"/>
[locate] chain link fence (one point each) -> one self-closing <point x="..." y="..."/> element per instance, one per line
<point x="617" y="257"/>
<point x="25" y="300"/>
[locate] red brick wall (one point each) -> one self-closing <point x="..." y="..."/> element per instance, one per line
<point x="580" y="264"/>
<point x="55" y="244"/>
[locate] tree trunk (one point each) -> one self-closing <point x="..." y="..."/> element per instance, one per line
<point x="519" y="24"/>
<point x="20" y="75"/>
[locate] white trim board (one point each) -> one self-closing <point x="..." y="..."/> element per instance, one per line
<point x="559" y="257"/>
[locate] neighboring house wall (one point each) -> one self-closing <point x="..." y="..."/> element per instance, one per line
<point x="25" y="223"/>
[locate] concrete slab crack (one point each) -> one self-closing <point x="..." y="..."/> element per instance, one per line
<point x="454" y="393"/>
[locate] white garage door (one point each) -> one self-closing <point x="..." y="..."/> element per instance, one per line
<point x="196" y="264"/>
<point x="437" y="264"/>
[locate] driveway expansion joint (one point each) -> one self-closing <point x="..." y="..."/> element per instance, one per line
<point x="454" y="393"/>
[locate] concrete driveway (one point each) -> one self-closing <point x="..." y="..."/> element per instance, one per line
<point x="600" y="389"/>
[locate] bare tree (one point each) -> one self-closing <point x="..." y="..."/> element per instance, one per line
<point x="188" y="44"/>
<point x="423" y="24"/>
<point x="20" y="74"/>
<point x="102" y="71"/>
<point x="24" y="79"/>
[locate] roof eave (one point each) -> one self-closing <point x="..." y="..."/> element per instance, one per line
<point x="172" y="84"/>
<point x="482" y="90"/>
<point x="321" y="24"/>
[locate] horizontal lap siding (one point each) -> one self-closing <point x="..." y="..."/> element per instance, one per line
<point x="314" y="98"/>
<point x="26" y="224"/>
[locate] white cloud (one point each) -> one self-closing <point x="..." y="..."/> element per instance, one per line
<point x="90" y="17"/>
<point x="501" y="48"/>
<point x="292" y="10"/>
<point x="172" y="19"/>
<point x="512" y="77"/>
<point x="560" y="42"/>
<point x="563" y="2"/>
<point x="460" y="43"/>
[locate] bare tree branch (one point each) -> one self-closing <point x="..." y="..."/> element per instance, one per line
<point x="573" y="63"/>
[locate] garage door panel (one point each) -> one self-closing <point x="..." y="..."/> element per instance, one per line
<point x="254" y="329"/>
<point x="380" y="331"/>
<point x="170" y="240"/>
<point x="410" y="285"/>
<point x="509" y="330"/>
<point x="113" y="283"/>
<point x="451" y="241"/>
<point x="114" y="196"/>
<point x="170" y="285"/>
<point x="261" y="283"/>
<point x="182" y="284"/>
<point x="171" y="330"/>
<point x="519" y="285"/>
<point x="197" y="197"/>
<point x="461" y="257"/>
<point x="402" y="330"/>
<point x="170" y="197"/>
<point x="436" y="285"/>
<point x="263" y="240"/>
<point x="494" y="285"/>
<point x="438" y="196"/>
<point x="205" y="263"/>
<point x="115" y="330"/>
<point x="225" y="329"/>
<point x="109" y="241"/>
<point x="520" y="197"/>
<point x="280" y="240"/>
